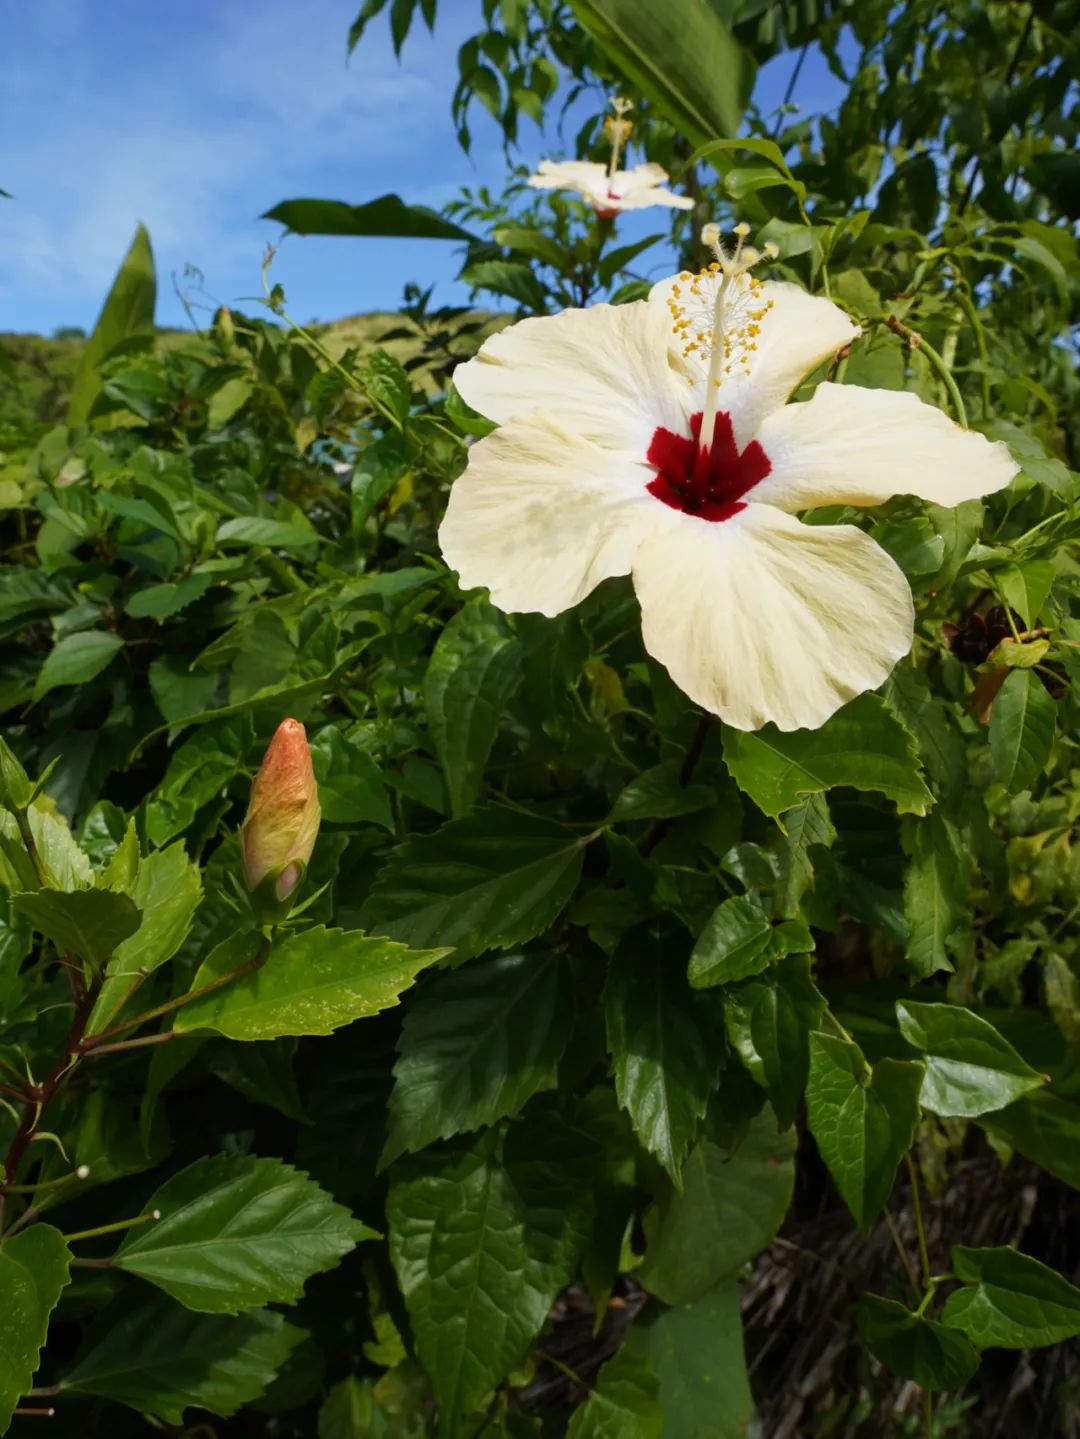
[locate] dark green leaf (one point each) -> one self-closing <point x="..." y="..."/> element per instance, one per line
<point x="659" y="794"/>
<point x="730" y="1208"/>
<point x="474" y="669"/>
<point x="1021" y="730"/>
<point x="697" y="1354"/>
<point x="91" y="923"/>
<point x="935" y="893"/>
<point x="76" y="659"/>
<point x="158" y="1357"/>
<point x="476" y="1044"/>
<point x="768" y="1022"/>
<point x="666" y="1057"/>
<point x="683" y="58"/>
<point x="625" y="1403"/>
<point x="807" y="826"/>
<point x="351" y="788"/>
<point x="933" y="1355"/>
<point x="238" y="1232"/>
<point x="864" y="1121"/>
<point x="128" y="311"/>
<point x="863" y="746"/>
<point x="740" y="940"/>
<point x="490" y="881"/>
<point x="388" y="215"/>
<point x="33" y="1274"/>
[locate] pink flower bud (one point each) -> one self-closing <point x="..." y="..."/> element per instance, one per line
<point x="278" y="833"/>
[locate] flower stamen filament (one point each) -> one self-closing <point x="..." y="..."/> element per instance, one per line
<point x="617" y="128"/>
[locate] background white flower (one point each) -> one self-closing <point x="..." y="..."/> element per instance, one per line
<point x="610" y="191"/>
<point x="599" y="469"/>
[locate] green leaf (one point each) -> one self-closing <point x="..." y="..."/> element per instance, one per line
<point x="351" y="788"/>
<point x="91" y="923"/>
<point x="658" y="794"/>
<point x="697" y="1355"/>
<point x="768" y="1022"/>
<point x="33" y="1273"/>
<point x="311" y="983"/>
<point x="388" y="385"/>
<point x="128" y="311"/>
<point x="158" y="1357"/>
<point x="730" y="1208"/>
<point x="863" y="746"/>
<point x="238" y="1232"/>
<point x="864" y="1121"/>
<point x="168" y="890"/>
<point x="473" y="671"/>
<point x="1026" y="586"/>
<point x="970" y="1068"/>
<point x="682" y="57"/>
<point x="476" y="1044"/>
<point x="76" y="659"/>
<point x="490" y="881"/>
<point x="740" y="940"/>
<point x="935" y="893"/>
<point x="933" y="1355"/>
<point x="347" y="1411"/>
<point x="1010" y="1301"/>
<point x="665" y="1056"/>
<point x="625" y="1404"/>
<point x="1021" y="730"/>
<point x="388" y="215"/>
<point x="481" y="1246"/>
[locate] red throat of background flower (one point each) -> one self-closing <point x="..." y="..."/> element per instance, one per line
<point x="707" y="483"/>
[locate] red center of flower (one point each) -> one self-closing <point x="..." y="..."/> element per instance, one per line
<point x="708" y="483"/>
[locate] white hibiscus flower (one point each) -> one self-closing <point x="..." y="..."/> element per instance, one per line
<point x="608" y="189"/>
<point x="653" y="439"/>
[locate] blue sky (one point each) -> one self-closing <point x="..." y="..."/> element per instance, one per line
<point x="195" y="116"/>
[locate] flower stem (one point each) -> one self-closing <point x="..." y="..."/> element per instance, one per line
<point x="920" y="1230"/>
<point x="915" y="341"/>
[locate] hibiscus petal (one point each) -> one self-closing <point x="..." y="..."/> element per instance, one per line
<point x="849" y="445"/>
<point x="764" y="618"/>
<point x="796" y="335"/>
<point x="540" y="517"/>
<point x="603" y="372"/>
<point x="588" y="176"/>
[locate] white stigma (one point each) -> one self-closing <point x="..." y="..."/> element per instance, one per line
<point x="718" y="312"/>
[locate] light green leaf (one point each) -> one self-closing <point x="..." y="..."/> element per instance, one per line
<point x="91" y="923"/>
<point x="76" y="659"/>
<point x="158" y="1357"/>
<point x="1022" y="724"/>
<point x="665" y="1057"/>
<point x="476" y="1044"/>
<point x="740" y="940"/>
<point x="625" y="1404"/>
<point x="490" y="881"/>
<point x="1026" y="586"/>
<point x="1010" y="1301"/>
<point x="33" y="1273"/>
<point x="970" y="1068"/>
<point x="168" y="890"/>
<point x="128" y="311"/>
<point x="697" y="1354"/>
<point x="237" y="1232"/>
<point x="730" y="1208"/>
<point x="863" y="746"/>
<point x="482" y="1246"/>
<point x="347" y="1411"/>
<point x="474" y="669"/>
<point x="934" y="1356"/>
<point x="864" y="1121"/>
<point x="683" y="58"/>
<point x="310" y="983"/>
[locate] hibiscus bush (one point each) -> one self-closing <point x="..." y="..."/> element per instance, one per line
<point x="538" y="870"/>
